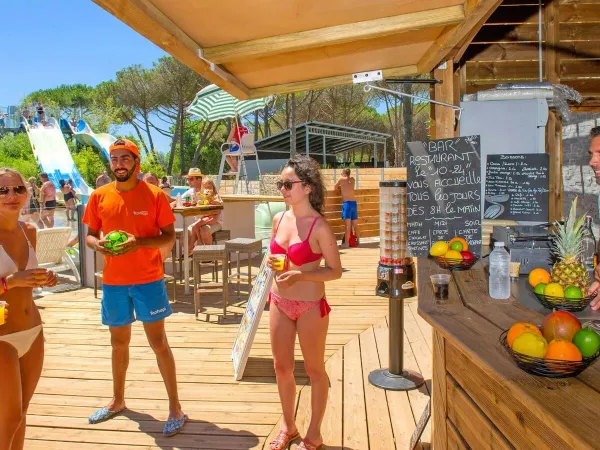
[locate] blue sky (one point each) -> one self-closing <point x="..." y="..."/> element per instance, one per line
<point x="45" y="44"/>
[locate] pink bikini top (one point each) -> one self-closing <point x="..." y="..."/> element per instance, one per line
<point x="299" y="253"/>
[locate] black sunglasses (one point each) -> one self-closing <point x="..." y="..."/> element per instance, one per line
<point x="18" y="190"/>
<point x="287" y="184"/>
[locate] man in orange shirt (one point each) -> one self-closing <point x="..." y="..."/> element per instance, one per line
<point x="133" y="277"/>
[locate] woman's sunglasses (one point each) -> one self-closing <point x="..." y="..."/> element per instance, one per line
<point x="287" y="184"/>
<point x="17" y="190"/>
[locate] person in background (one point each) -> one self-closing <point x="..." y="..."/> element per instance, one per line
<point x="297" y="298"/>
<point x="47" y="200"/>
<point x="26" y="113"/>
<point x="2" y="121"/>
<point x="69" y="196"/>
<point x="234" y="139"/>
<point x="102" y="179"/>
<point x="202" y="231"/>
<point x="21" y="336"/>
<point x="194" y="179"/>
<point x="41" y="113"/>
<point x="152" y="178"/>
<point x="33" y="210"/>
<point x="165" y="186"/>
<point x="345" y="187"/>
<point x="30" y="119"/>
<point x="595" y="165"/>
<point x="74" y="122"/>
<point x="133" y="285"/>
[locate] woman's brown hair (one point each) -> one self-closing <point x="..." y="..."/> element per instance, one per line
<point x="309" y="172"/>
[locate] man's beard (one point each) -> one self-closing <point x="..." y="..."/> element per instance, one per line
<point x="123" y="178"/>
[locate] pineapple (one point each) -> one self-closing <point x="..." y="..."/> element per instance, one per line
<point x="567" y="247"/>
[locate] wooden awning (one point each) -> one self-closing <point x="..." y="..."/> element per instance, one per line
<point x="253" y="49"/>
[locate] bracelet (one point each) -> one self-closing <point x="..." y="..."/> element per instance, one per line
<point x="4" y="284"/>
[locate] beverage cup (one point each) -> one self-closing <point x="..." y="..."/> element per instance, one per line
<point x="2" y="308"/>
<point x="279" y="262"/>
<point x="514" y="268"/>
<point x="440" y="283"/>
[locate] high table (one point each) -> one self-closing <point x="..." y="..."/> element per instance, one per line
<point x="238" y="219"/>
<point x="191" y="211"/>
<point x="479" y="396"/>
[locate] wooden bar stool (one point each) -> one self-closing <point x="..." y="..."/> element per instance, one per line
<point x="243" y="245"/>
<point x="211" y="253"/>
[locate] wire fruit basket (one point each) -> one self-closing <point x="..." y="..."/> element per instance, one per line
<point x="544" y="367"/>
<point x="455" y="264"/>
<point x="565" y="304"/>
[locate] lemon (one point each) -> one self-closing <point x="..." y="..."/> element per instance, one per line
<point x="573" y="293"/>
<point x="439" y="248"/>
<point x="453" y="254"/>
<point x="530" y="344"/>
<point x="457" y="245"/>
<point x="554" y="290"/>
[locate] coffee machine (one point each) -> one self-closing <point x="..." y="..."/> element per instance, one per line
<point x="396" y="271"/>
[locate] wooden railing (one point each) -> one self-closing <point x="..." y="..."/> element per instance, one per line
<point x="365" y="178"/>
<point x="368" y="212"/>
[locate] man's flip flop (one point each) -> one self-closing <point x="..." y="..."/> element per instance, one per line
<point x="174" y="426"/>
<point x="103" y="414"/>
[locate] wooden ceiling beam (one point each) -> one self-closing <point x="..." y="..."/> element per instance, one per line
<point x="339" y="34"/>
<point x="149" y="21"/>
<point x="453" y="38"/>
<point x="323" y="83"/>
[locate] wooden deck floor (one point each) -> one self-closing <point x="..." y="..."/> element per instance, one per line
<point x="225" y="414"/>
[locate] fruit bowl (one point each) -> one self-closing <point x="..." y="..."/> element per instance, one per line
<point x="544" y="367"/>
<point x="455" y="264"/>
<point x="565" y="304"/>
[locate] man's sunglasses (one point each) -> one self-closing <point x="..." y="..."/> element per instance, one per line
<point x="17" y="190"/>
<point x="287" y="184"/>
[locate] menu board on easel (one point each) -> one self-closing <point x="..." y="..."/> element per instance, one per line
<point x="251" y="319"/>
<point x="443" y="193"/>
<point x="517" y="187"/>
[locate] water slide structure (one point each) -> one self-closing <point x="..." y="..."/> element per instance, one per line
<point x="86" y="136"/>
<point x="53" y="156"/>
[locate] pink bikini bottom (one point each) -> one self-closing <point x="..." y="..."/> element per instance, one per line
<point x="294" y="308"/>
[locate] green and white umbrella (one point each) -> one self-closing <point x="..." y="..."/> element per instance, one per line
<point x="213" y="103"/>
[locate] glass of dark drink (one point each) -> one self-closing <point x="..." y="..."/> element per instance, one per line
<point x="440" y="283"/>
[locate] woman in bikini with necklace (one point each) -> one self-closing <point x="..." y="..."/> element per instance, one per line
<point x="21" y="337"/>
<point x="297" y="298"/>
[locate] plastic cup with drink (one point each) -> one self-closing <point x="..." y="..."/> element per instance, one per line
<point x="440" y="283"/>
<point x="2" y="310"/>
<point x="278" y="262"/>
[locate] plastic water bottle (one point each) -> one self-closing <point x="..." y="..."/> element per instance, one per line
<point x="178" y="200"/>
<point x="499" y="272"/>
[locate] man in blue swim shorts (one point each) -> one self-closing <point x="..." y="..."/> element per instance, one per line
<point x="345" y="187"/>
<point x="133" y="286"/>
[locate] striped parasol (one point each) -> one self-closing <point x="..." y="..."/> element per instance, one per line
<point x="213" y="103"/>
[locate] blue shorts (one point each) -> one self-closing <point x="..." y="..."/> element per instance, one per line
<point x="149" y="301"/>
<point x="349" y="210"/>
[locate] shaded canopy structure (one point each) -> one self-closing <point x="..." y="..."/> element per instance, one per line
<point x="280" y="47"/>
<point x="321" y="141"/>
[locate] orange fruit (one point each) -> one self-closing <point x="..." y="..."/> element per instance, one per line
<point x="519" y="328"/>
<point x="562" y="350"/>
<point x="537" y="276"/>
<point x="465" y="245"/>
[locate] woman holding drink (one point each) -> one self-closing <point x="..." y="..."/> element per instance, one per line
<point x="21" y="336"/>
<point x="302" y="236"/>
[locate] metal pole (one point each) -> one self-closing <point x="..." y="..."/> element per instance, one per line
<point x="396" y="344"/>
<point x="384" y="159"/>
<point x="324" y="150"/>
<point x="375" y="155"/>
<point x="540" y="39"/>
<point x="307" y="141"/>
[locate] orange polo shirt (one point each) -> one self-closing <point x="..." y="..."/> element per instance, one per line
<point x="143" y="211"/>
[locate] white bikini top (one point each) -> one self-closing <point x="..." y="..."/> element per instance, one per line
<point x="8" y="266"/>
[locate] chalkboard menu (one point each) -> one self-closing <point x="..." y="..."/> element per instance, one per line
<point x="444" y="193"/>
<point x="516" y="187"/>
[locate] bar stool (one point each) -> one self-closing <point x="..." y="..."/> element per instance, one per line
<point x="214" y="253"/>
<point x="243" y="245"/>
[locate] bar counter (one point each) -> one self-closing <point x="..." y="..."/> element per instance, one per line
<point x="480" y="398"/>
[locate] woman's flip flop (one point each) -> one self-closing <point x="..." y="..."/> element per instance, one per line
<point x="174" y="426"/>
<point x="283" y="440"/>
<point x="103" y="414"/>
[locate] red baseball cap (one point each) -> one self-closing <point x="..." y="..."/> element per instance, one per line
<point x="124" y="144"/>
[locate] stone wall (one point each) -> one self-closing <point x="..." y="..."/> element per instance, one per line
<point x="578" y="177"/>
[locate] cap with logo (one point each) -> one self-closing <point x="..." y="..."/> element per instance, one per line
<point x="194" y="172"/>
<point x="124" y="144"/>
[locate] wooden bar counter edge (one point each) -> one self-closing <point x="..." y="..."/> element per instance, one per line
<point x="480" y="398"/>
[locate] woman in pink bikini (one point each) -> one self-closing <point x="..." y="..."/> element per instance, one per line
<point x="298" y="304"/>
<point x="21" y="337"/>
